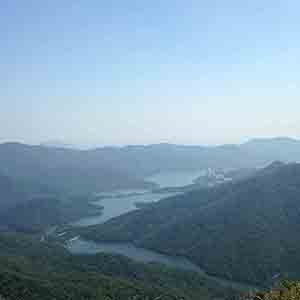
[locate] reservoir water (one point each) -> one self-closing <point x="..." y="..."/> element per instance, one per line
<point x="117" y="203"/>
<point x="175" y="178"/>
<point x="79" y="246"/>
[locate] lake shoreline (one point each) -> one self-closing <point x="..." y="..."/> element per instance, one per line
<point x="77" y="246"/>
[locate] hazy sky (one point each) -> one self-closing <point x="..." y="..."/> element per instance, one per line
<point x="127" y="72"/>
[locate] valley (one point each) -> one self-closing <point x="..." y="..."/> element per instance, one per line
<point x="229" y="230"/>
<point x="216" y="225"/>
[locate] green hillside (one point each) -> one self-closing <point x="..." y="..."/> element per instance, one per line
<point x="30" y="207"/>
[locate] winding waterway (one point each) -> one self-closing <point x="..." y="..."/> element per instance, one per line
<point x="120" y="202"/>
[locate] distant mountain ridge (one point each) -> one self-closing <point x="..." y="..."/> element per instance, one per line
<point x="111" y="168"/>
<point x="64" y="169"/>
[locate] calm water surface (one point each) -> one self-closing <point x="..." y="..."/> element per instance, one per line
<point x="79" y="246"/>
<point x="175" y="178"/>
<point x="117" y="203"/>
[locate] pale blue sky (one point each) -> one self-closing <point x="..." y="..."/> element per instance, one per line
<point x="131" y="72"/>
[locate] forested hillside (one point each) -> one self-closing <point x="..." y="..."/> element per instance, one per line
<point x="32" y="207"/>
